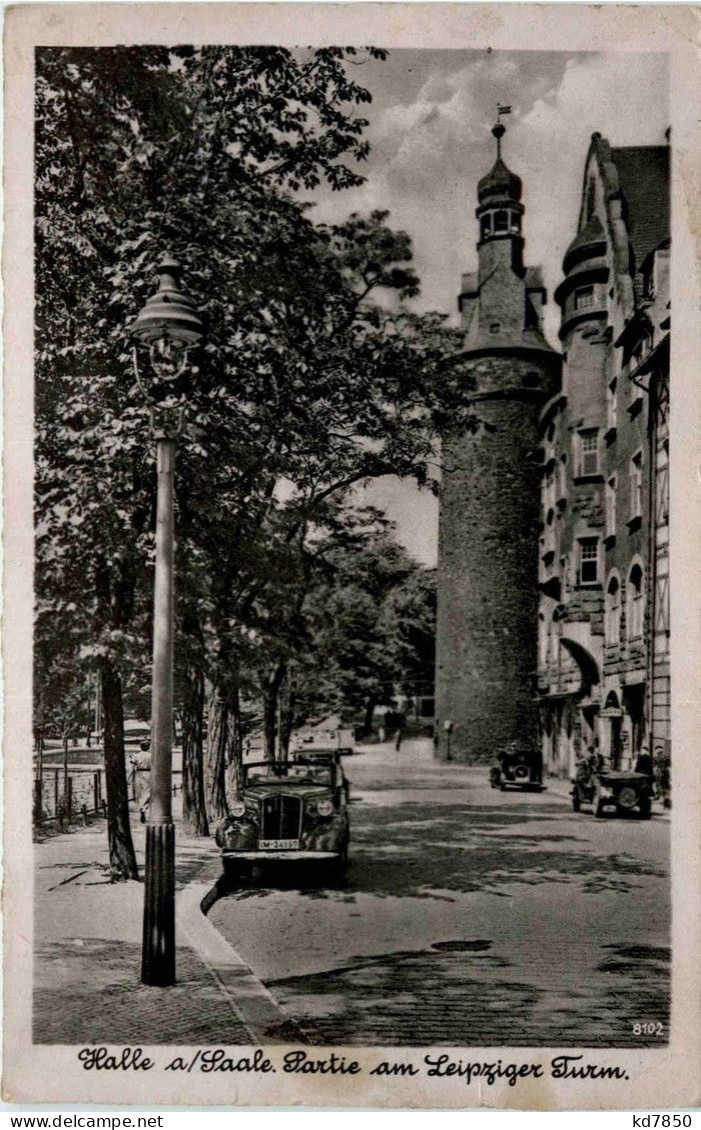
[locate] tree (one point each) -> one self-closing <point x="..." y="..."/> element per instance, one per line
<point x="136" y="147"/>
<point x="307" y="384"/>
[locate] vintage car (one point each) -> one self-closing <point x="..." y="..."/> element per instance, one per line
<point x="620" y="789"/>
<point x="518" y="767"/>
<point x="294" y="811"/>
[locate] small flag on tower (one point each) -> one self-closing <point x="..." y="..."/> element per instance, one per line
<point x="503" y="109"/>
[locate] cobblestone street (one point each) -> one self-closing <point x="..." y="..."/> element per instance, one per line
<point x="467" y="916"/>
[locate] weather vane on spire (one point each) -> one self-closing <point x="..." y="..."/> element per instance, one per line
<point x="500" y="129"/>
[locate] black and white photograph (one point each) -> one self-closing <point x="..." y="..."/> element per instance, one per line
<point x="352" y="679"/>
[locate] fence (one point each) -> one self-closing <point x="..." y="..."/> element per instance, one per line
<point x="65" y="797"/>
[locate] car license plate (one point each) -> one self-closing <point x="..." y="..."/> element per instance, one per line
<point x="278" y="845"/>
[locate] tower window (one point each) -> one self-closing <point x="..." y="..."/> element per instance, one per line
<point x="612" y="620"/>
<point x="635" y="611"/>
<point x="612" y="404"/>
<point x="611" y="507"/>
<point x="494" y="327"/>
<point x="589" y="452"/>
<point x="486" y="225"/>
<point x="501" y="221"/>
<point x="636" y="485"/>
<point x="589" y="561"/>
<point x="584" y="297"/>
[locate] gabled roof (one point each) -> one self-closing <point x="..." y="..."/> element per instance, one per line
<point x="643" y="176"/>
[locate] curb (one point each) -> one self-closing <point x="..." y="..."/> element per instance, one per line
<point x="264" y="1019"/>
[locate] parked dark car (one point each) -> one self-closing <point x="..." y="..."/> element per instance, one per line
<point x="620" y="789"/>
<point x="289" y="812"/>
<point x="522" y="768"/>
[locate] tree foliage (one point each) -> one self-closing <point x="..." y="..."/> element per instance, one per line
<point x="307" y="384"/>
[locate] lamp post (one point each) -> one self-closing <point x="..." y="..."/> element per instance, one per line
<point x="167" y="327"/>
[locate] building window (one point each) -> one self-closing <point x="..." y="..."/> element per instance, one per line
<point x="612" y="404"/>
<point x="494" y="327"/>
<point x="514" y="223"/>
<point x="562" y="478"/>
<point x="501" y="221"/>
<point x="584" y="297"/>
<point x="612" y="622"/>
<point x="636" y="485"/>
<point x="611" y="507"/>
<point x="486" y="225"/>
<point x="588" y="561"/>
<point x="649" y="280"/>
<point x="565" y="576"/>
<point x="589" y="452"/>
<point x="643" y="346"/>
<point x="635" y="603"/>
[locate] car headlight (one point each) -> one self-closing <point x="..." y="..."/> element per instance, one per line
<point x="325" y="808"/>
<point x="238" y="808"/>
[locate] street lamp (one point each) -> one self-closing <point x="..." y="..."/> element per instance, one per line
<point x="166" y="328"/>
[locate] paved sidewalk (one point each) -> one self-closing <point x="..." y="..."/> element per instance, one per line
<point x="88" y="949"/>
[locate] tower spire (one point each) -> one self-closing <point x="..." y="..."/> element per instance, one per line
<point x="500" y="129"/>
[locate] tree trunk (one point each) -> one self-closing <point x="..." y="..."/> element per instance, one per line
<point x="271" y="692"/>
<point x="235" y="773"/>
<point x="369" y="711"/>
<point x="121" y="846"/>
<point x="194" y="804"/>
<point x="216" y="759"/>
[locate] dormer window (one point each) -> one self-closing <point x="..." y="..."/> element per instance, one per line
<point x="584" y="297"/>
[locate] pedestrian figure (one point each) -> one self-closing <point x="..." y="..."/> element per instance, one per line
<point x="381" y="733"/>
<point x="398" y="739"/>
<point x="142" y="780"/>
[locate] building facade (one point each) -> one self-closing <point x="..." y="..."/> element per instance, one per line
<point x="603" y="667"/>
<point x="490" y="496"/>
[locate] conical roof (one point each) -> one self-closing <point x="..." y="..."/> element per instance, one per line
<point x="499" y="183"/>
<point x="590" y="236"/>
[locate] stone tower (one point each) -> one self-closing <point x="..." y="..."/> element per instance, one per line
<point x="490" y="501"/>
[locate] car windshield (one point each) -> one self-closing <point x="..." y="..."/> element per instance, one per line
<point x="288" y="773"/>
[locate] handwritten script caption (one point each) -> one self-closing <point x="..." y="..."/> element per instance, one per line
<point x="205" y="1061"/>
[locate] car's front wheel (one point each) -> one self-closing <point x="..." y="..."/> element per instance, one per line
<point x="645" y="808"/>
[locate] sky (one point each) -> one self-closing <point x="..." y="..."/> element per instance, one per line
<point x="430" y="122"/>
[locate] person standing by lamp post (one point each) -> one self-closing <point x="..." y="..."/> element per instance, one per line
<point x="165" y="330"/>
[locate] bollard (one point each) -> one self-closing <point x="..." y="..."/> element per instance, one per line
<point x="84" y="811"/>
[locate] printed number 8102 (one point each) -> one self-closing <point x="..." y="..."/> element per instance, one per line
<point x="648" y="1028"/>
